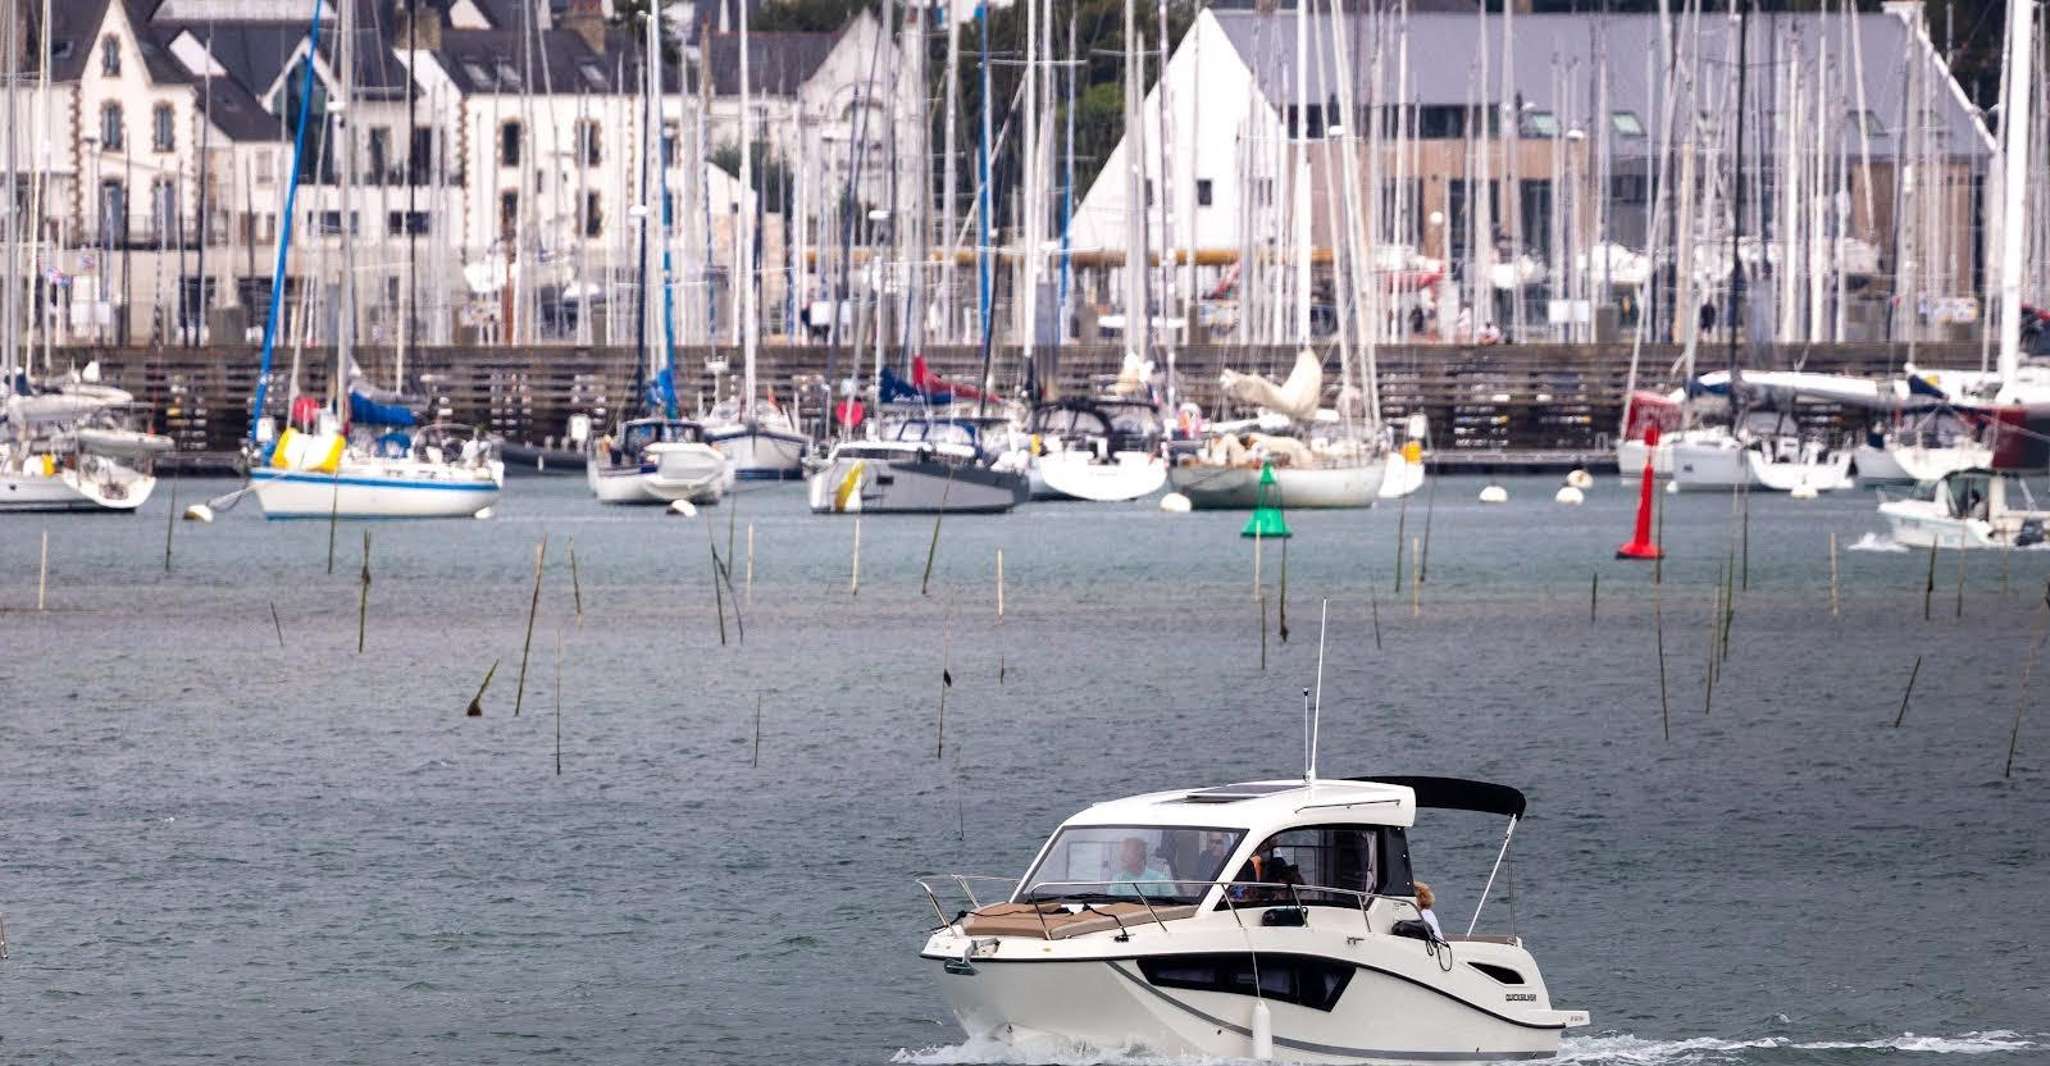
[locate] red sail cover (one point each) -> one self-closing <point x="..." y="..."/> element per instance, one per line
<point x="1647" y="409"/>
<point x="932" y="384"/>
<point x="2021" y="437"/>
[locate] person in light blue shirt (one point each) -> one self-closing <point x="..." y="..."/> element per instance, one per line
<point x="1134" y="867"/>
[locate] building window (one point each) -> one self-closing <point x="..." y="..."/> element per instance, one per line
<point x="329" y="223"/>
<point x="1263" y="192"/>
<point x="420" y="156"/>
<point x="113" y="212"/>
<point x="1627" y="188"/>
<point x="163" y="129"/>
<point x="406" y="224"/>
<point x="594" y="215"/>
<point x="1542" y="124"/>
<point x="111" y="126"/>
<point x="110" y="56"/>
<point x="509" y="144"/>
<point x="1626" y="124"/>
<point x="589" y="150"/>
<point x="669" y="146"/>
<point x="509" y="215"/>
<point x="1149" y="192"/>
<point x="164" y="210"/>
<point x="1204" y="194"/>
<point x="1441" y="123"/>
<point x="380" y="154"/>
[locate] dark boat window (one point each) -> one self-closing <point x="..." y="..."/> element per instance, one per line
<point x="1500" y="973"/>
<point x="1304" y="980"/>
<point x="1322" y="857"/>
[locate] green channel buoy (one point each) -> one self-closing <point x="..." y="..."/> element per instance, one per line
<point x="1267" y="521"/>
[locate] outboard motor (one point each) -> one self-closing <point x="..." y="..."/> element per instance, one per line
<point x="2031" y="533"/>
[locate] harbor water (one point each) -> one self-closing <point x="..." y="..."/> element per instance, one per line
<point x="232" y="839"/>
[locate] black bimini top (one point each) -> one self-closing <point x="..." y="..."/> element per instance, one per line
<point x="1459" y="794"/>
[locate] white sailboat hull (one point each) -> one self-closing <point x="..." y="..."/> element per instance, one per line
<point x="34" y="492"/>
<point x="760" y="454"/>
<point x="397" y="488"/>
<point x="1630" y="456"/>
<point x="1077" y="475"/>
<point x="100" y="484"/>
<point x="1914" y="462"/>
<point x="1826" y="474"/>
<point x="1238" y="487"/>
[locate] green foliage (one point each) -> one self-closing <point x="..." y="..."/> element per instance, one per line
<point x="773" y="180"/>
<point x="808" y="16"/>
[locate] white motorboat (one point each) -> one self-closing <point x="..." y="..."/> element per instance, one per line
<point x="440" y="472"/>
<point x="1265" y="920"/>
<point x="1104" y="450"/>
<point x="925" y="466"/>
<point x="1717" y="460"/>
<point x="762" y="443"/>
<point x="658" y="461"/>
<point x="1977" y="508"/>
<point x="100" y="465"/>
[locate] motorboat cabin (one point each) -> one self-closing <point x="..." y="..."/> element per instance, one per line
<point x="1265" y="920"/>
<point x="1975" y="508"/>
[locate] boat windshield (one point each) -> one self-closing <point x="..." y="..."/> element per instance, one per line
<point x="937" y="433"/>
<point x="1171" y="864"/>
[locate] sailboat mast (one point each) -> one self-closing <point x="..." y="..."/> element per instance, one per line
<point x="1135" y="192"/>
<point x="1737" y="317"/>
<point x="2015" y="119"/>
<point x="743" y="250"/>
<point x="345" y="317"/>
<point x="1299" y="171"/>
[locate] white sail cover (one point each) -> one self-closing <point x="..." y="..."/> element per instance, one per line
<point x="1296" y="397"/>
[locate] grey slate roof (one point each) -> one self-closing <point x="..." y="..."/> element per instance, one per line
<point x="1553" y="52"/>
<point x="777" y="63"/>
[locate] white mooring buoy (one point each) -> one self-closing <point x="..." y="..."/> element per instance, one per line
<point x="1494" y="494"/>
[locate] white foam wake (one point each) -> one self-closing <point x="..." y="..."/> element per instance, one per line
<point x="1635" y="1051"/>
<point x="1618" y="1050"/>
<point x="1875" y="542"/>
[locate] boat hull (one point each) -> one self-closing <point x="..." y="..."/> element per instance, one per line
<point x="1237" y="488"/>
<point x="1079" y="476"/>
<point x="763" y="454"/>
<point x="1402" y="478"/>
<point x="914" y="486"/>
<point x="1917" y="463"/>
<point x="1821" y="475"/>
<point x="98" y="484"/>
<point x="34" y="492"/>
<point x="1924" y="524"/>
<point x="385" y="490"/>
<point x="698" y="473"/>
<point x="1108" y="1004"/>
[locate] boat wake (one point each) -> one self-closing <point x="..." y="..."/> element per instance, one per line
<point x="1875" y="542"/>
<point x="1617" y="1050"/>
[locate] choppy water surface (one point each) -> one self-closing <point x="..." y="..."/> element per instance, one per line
<point x="223" y="845"/>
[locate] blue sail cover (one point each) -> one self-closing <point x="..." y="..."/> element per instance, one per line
<point x="892" y="388"/>
<point x="661" y="394"/>
<point x="365" y="411"/>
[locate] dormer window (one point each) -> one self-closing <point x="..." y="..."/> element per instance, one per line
<point x="110" y="56"/>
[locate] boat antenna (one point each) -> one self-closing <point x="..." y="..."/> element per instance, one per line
<point x="1313" y="710"/>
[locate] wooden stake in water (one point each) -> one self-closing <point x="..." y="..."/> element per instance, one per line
<point x="933" y="549"/>
<point x="533" y="608"/>
<point x="1401" y="538"/>
<point x="1729" y="611"/>
<point x="1000" y="584"/>
<point x="854" y="575"/>
<point x="277" y="625"/>
<point x="334" y="514"/>
<point x="1594" y="595"/>
<point x="750" y="566"/>
<point x="1658" y="625"/>
<point x="476" y="707"/>
<point x="1263" y="629"/>
<point x="43" y="572"/>
<point x="718" y="591"/>
<point x="1929" y="583"/>
<point x="946" y="682"/>
<point x="363" y="596"/>
<point x="1958" y="611"/>
<point x="576" y="584"/>
<point x="1282" y="629"/>
<point x="1258" y="585"/>
<point x="1658" y="509"/>
<point x="558" y="701"/>
<point x="1747" y="536"/>
<point x="1423" y="562"/>
<point x="1416" y="591"/>
<point x="757" y="759"/>
<point x="170" y="523"/>
<point x="1912" y="675"/>
<point x="1374" y="612"/>
<point x="1714" y="628"/>
<point x="1833" y="606"/>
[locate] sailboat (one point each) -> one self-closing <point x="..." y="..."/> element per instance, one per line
<point x="659" y="457"/>
<point x="1106" y="448"/>
<point x="1319" y="460"/>
<point x="760" y="440"/>
<point x="364" y="456"/>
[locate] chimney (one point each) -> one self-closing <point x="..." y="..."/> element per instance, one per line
<point x="419" y="23"/>
<point x="586" y="19"/>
